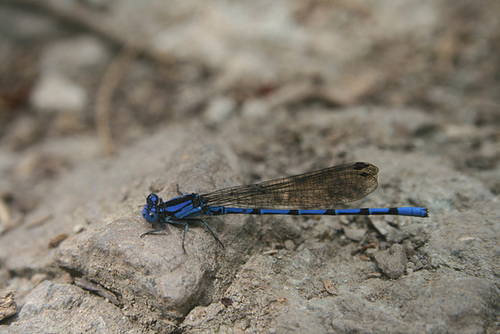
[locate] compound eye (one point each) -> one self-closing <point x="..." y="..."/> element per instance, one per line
<point x="150" y="216"/>
<point x="152" y="199"/>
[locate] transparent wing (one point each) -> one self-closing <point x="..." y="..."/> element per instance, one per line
<point x="319" y="189"/>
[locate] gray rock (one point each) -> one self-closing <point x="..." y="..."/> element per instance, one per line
<point x="291" y="72"/>
<point x="392" y="261"/>
<point x="63" y="308"/>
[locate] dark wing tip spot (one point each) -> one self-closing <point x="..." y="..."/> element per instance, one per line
<point x="360" y="165"/>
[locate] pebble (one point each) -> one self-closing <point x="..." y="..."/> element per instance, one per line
<point x="54" y="92"/>
<point x="75" y="55"/>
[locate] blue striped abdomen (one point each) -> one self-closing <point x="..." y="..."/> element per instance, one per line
<point x="404" y="211"/>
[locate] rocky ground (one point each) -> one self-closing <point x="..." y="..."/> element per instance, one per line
<point x="102" y="103"/>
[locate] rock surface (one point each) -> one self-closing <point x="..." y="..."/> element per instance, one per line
<point x="208" y="96"/>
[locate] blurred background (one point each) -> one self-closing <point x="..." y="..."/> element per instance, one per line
<point x="94" y="76"/>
